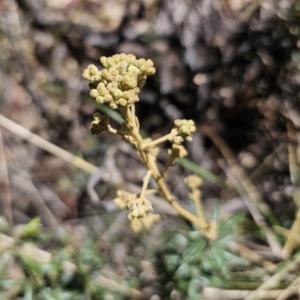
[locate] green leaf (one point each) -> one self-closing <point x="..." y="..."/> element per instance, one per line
<point x="195" y="251"/>
<point x="200" y="171"/>
<point x="28" y="293"/>
<point x="30" y="230"/>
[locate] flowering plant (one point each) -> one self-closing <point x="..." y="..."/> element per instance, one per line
<point x="118" y="85"/>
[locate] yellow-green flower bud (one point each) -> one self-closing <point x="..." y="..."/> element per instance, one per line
<point x="99" y="99"/>
<point x="118" y="78"/>
<point x="122" y="102"/>
<point x="118" y="93"/>
<point x="112" y="86"/>
<point x="130" y="82"/>
<point x="126" y="95"/>
<point x="141" y="212"/>
<point x="86" y="74"/>
<point x="103" y="60"/>
<point x="113" y="72"/>
<point x="133" y="99"/>
<point x="193" y="181"/>
<point x="140" y="62"/>
<point x="149" y="63"/>
<point x="177" y="140"/>
<point x="106" y="74"/>
<point x="177" y="151"/>
<point x="107" y="98"/>
<point x="177" y="122"/>
<point x="92" y="69"/>
<point x="136" y="90"/>
<point x="123" y="56"/>
<point x="150" y="71"/>
<point x="131" y="58"/>
<point x="113" y="105"/>
<point x="94" y="93"/>
<point x="135" y="213"/>
<point x="116" y="58"/>
<point x="110" y="62"/>
<point x="133" y="69"/>
<point x="120" y="203"/>
<point x="184" y="129"/>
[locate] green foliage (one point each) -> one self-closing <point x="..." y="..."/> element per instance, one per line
<point x="65" y="271"/>
<point x="190" y="262"/>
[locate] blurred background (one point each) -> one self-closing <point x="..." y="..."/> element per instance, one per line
<point x="230" y="65"/>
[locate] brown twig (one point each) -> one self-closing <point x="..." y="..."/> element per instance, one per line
<point x="5" y="194"/>
<point x="290" y="267"/>
<point x="220" y="294"/>
<point x="255" y="212"/>
<point x="249" y="254"/>
<point x="290" y="290"/>
<point x="47" y="146"/>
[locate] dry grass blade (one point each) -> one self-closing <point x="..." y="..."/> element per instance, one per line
<point x="214" y="293"/>
<point x="256" y="214"/>
<point x="5" y="196"/>
<point x="47" y="146"/>
<point x="291" y="243"/>
<point x="290" y="290"/>
<point x="29" y="188"/>
<point x="290" y="267"/>
<point x="79" y="162"/>
<point x="249" y="254"/>
<point x="266" y="164"/>
<point x="114" y="286"/>
<point x="247" y="190"/>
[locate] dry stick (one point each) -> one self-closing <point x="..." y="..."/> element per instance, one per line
<point x="289" y="267"/>
<point x="78" y="162"/>
<point x="246" y="188"/>
<point x="215" y="293"/>
<point x="256" y="214"/>
<point x="249" y="254"/>
<point x="286" y="232"/>
<point x="47" y="146"/>
<point x="4" y="186"/>
<point x="290" y="113"/>
<point x="37" y="200"/>
<point x="290" y="290"/>
<point x="266" y="163"/>
<point x="111" y="285"/>
<point x="294" y="165"/>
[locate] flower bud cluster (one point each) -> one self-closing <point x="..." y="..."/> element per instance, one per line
<point x="139" y="207"/>
<point x="184" y="129"/>
<point x="193" y="181"/>
<point x="119" y="82"/>
<point x="139" y="225"/>
<point x="99" y="124"/>
<point x="177" y="151"/>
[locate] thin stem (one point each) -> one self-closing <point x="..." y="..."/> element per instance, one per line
<point x="145" y="183"/>
<point x="150" y="163"/>
<point x="152" y="191"/>
<point x="199" y="207"/>
<point x="115" y="131"/>
<point x="160" y="140"/>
